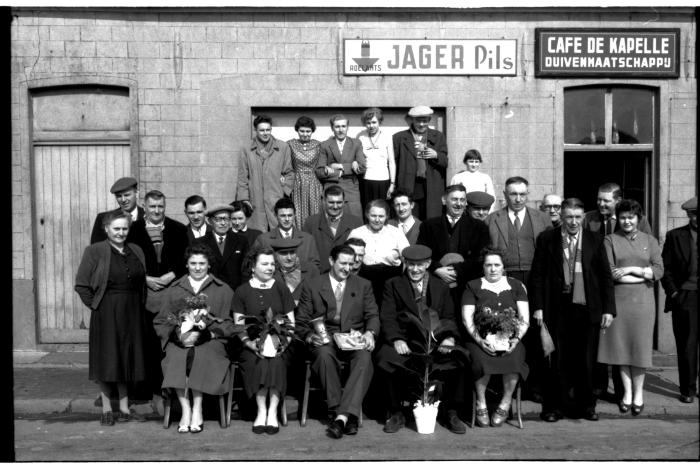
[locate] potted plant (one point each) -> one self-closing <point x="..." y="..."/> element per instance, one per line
<point x="497" y="326"/>
<point x="428" y="332"/>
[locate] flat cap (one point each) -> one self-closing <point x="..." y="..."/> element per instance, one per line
<point x="480" y="199"/>
<point x="123" y="184"/>
<point x="420" y="110"/>
<point x="691" y="204"/>
<point x="211" y="211"/>
<point x="285" y="243"/>
<point x="417" y="252"/>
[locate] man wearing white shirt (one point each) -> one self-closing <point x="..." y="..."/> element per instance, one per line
<point x="196" y="210"/>
<point x="126" y="194"/>
<point x="402" y="203"/>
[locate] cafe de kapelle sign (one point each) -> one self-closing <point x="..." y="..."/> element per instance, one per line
<point x="364" y="57"/>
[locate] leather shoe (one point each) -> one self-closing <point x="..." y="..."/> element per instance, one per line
<point x="350" y="426"/>
<point x="590" y="415"/>
<point x="637" y="409"/>
<point x="454" y="424"/>
<point x="258" y="429"/>
<point x="395" y="422"/>
<point x="498" y="417"/>
<point x="550" y="417"/>
<point x="335" y="429"/>
<point x="482" y="417"/>
<point x="272" y="429"/>
<point x="624" y="408"/>
<point x="107" y="419"/>
<point x="686" y="399"/>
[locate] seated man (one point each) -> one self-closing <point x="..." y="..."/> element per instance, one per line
<point x="407" y="294"/>
<point x="290" y="269"/>
<point x="284" y="214"/>
<point x="345" y="302"/>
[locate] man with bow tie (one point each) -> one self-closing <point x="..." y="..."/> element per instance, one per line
<point x="345" y="303"/>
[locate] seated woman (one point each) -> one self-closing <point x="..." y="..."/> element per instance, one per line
<point x="264" y="370"/>
<point x="486" y="302"/>
<point x="195" y="359"/>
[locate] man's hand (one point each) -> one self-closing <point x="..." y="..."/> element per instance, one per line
<point x="428" y="153"/>
<point x="355" y="167"/>
<point x="447" y="274"/>
<point x="537" y="316"/>
<point x="368" y="338"/>
<point x="314" y="340"/>
<point x="446" y="345"/>
<point x="606" y="321"/>
<point x="401" y="347"/>
<point x="154" y="283"/>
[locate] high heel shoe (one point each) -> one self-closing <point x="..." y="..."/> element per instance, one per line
<point x="624" y="408"/>
<point x="197" y="428"/>
<point x="183" y="429"/>
<point x="637" y="409"/>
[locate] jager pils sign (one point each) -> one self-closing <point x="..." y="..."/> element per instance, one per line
<point x="365" y="57"/>
<point x="639" y="53"/>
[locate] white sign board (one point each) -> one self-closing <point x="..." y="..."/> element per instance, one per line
<point x="486" y="57"/>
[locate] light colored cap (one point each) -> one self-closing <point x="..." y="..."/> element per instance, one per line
<point x="420" y="110"/>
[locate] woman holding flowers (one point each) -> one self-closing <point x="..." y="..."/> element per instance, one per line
<point x="263" y="310"/>
<point x="193" y="325"/>
<point x="495" y="313"/>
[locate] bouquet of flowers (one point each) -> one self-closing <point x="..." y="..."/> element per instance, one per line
<point x="273" y="332"/>
<point x="497" y="326"/>
<point x="194" y="316"/>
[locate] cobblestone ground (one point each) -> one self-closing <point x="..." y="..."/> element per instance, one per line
<point x="79" y="437"/>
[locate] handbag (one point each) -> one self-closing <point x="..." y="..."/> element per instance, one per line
<point x="547" y="342"/>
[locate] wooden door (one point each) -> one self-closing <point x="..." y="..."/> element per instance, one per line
<point x="71" y="186"/>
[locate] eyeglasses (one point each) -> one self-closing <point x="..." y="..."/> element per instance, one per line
<point x="552" y="207"/>
<point x="221" y="219"/>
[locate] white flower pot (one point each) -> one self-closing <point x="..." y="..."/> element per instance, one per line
<point x="425" y="416"/>
<point x="268" y="349"/>
<point x="499" y="341"/>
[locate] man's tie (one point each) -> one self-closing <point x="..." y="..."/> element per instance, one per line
<point x="608" y="226"/>
<point x="221" y="244"/>
<point x="572" y="247"/>
<point x="516" y="223"/>
<point x="404" y="226"/>
<point x="338" y="301"/>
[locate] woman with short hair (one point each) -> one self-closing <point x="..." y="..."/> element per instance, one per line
<point x="307" y="190"/>
<point x="378" y="146"/>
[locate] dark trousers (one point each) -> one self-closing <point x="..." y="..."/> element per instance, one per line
<point x="685" y="330"/>
<point x="572" y="363"/>
<point x="325" y="362"/>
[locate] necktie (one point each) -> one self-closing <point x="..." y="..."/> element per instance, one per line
<point x="221" y="244"/>
<point x="404" y="226"/>
<point x="517" y="223"/>
<point x="572" y="247"/>
<point x="338" y="301"/>
<point x="606" y="229"/>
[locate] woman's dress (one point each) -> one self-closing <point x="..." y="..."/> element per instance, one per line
<point x="260" y="372"/>
<point x="307" y="190"/>
<point x="117" y="326"/>
<point x="483" y="363"/>
<point x="629" y="339"/>
<point x="204" y="367"/>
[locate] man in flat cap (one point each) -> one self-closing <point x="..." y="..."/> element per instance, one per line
<point x="479" y="204"/>
<point x="126" y="193"/>
<point x="228" y="248"/>
<point x="291" y="270"/>
<point x="680" y="281"/>
<point x="414" y="293"/>
<point x="421" y="162"/>
<point x="551" y="205"/>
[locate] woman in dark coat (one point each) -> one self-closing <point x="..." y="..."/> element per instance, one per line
<point x="111" y="281"/>
<point x="264" y="368"/>
<point x="195" y="359"/>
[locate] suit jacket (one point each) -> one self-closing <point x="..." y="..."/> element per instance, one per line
<point x="411" y="234"/>
<point x="93" y="272"/>
<point x="406" y="166"/>
<point x="593" y="220"/>
<point x="547" y="276"/>
<point x="676" y="257"/>
<point x="308" y="271"/>
<point x="498" y="221"/>
<point x="226" y="267"/>
<point x="329" y="153"/>
<point x="172" y="256"/>
<point x="135" y="232"/>
<point x="317" y="226"/>
<point x="468" y="239"/>
<point x="359" y="310"/>
<point x="190" y="235"/>
<point x="398" y="301"/>
<point x="307" y="250"/>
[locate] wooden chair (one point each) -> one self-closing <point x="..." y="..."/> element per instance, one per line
<point x="232" y="387"/>
<point x="511" y="413"/>
<point x="308" y="387"/>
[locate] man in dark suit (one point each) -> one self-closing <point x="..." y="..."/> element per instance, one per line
<point x="421" y="162"/>
<point x="345" y="303"/>
<point x="411" y="294"/>
<point x="479" y="204"/>
<point x="126" y="193"/>
<point x="331" y="227"/>
<point x="680" y="281"/>
<point x="196" y="212"/>
<point x="403" y="204"/>
<point x="284" y="213"/>
<point x="457" y="233"/>
<point x="341" y="161"/>
<point x="571" y="290"/>
<point x="228" y="248"/>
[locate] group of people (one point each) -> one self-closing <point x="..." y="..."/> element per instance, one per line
<point x="292" y="271"/>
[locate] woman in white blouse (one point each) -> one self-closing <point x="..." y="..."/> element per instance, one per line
<point x="377" y="144"/>
<point x="472" y="179"/>
<point x="384" y="244"/>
